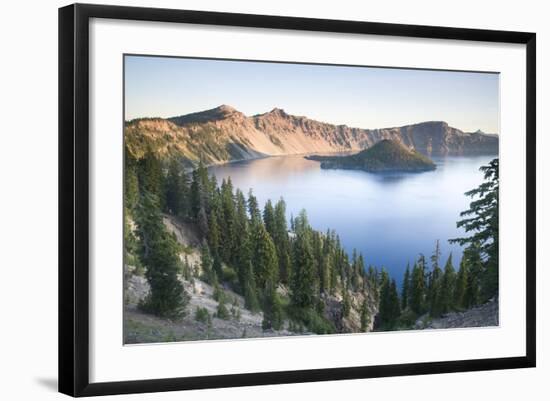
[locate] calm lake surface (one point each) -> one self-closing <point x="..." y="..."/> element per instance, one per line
<point x="390" y="218"/>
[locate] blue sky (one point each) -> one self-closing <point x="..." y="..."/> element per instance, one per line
<point x="364" y="97"/>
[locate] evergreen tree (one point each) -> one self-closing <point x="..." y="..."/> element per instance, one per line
<point x="250" y="291"/>
<point x="151" y="177"/>
<point x="229" y="225"/>
<point x="365" y="315"/>
<point x="167" y="297"/>
<point x="214" y="231"/>
<point x="481" y="220"/>
<point x="207" y="263"/>
<point x="273" y="310"/>
<point x="395" y="308"/>
<point x="269" y="217"/>
<point x="265" y="258"/>
<point x="200" y="193"/>
<point x="405" y="288"/>
<point x="472" y="295"/>
<point x="417" y="289"/>
<point x="282" y="242"/>
<point x="461" y="284"/>
<point x="389" y="307"/>
<point x="303" y="277"/>
<point x="217" y="266"/>
<point x="434" y="286"/>
<point x="253" y="210"/>
<point x="242" y="255"/>
<point x="174" y="191"/>
<point x="131" y="183"/>
<point x="448" y="280"/>
<point x="346" y="304"/>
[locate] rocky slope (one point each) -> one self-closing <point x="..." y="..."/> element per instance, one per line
<point x="224" y="134"/>
<point x="481" y="316"/>
<point x="140" y="327"/>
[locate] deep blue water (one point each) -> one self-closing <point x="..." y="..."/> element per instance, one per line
<point x="390" y="218"/>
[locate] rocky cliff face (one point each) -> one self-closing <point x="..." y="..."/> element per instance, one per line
<point x="224" y="134"/>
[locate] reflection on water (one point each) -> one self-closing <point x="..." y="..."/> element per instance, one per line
<point x="390" y="218"/>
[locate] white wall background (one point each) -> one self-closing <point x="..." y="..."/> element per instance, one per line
<point x="28" y="205"/>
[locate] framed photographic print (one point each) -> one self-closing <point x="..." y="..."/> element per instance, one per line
<point x="249" y="199"/>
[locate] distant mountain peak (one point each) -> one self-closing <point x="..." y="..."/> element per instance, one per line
<point x="278" y="112"/>
<point x="225" y="108"/>
<point x="221" y="112"/>
<point x="435" y="123"/>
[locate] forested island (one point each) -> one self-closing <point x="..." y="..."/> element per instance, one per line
<point x="248" y="263"/>
<point x="385" y="156"/>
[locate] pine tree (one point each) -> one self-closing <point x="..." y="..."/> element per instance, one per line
<point x="481" y="220"/>
<point x="448" y="280"/>
<point x="131" y="183"/>
<point x="346" y="304"/>
<point x="250" y="291"/>
<point x="273" y="310"/>
<point x="461" y="284"/>
<point x="253" y="209"/>
<point x="228" y="213"/>
<point x="200" y="193"/>
<point x="282" y="242"/>
<point x="365" y="315"/>
<point x="303" y="277"/>
<point x="174" y="191"/>
<point x="475" y="268"/>
<point x="395" y="309"/>
<point x="405" y="288"/>
<point x="214" y="231"/>
<point x="269" y="217"/>
<point x="242" y="254"/>
<point x="167" y="297"/>
<point x="389" y="307"/>
<point x="434" y="286"/>
<point x="417" y="289"/>
<point x="265" y="258"/>
<point x="207" y="262"/>
<point x="151" y="177"/>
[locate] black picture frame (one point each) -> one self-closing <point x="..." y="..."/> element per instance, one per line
<point x="74" y="198"/>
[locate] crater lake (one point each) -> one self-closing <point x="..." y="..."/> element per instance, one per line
<point x="390" y="218"/>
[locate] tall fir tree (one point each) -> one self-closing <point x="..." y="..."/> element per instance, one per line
<point x="417" y="288"/>
<point x="167" y="297"/>
<point x="472" y="295"/>
<point x="173" y="188"/>
<point x="434" y="285"/>
<point x="228" y="213"/>
<point x="461" y="283"/>
<point x="131" y="183"/>
<point x="269" y="217"/>
<point x="265" y="261"/>
<point x="282" y="241"/>
<point x="481" y="222"/>
<point x="365" y="315"/>
<point x="303" y="272"/>
<point x="151" y="176"/>
<point x="406" y="288"/>
<point x="448" y="283"/>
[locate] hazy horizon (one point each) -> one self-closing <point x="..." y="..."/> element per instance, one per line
<point x="360" y="97"/>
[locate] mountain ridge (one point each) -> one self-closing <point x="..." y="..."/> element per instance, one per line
<point x="224" y="134"/>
